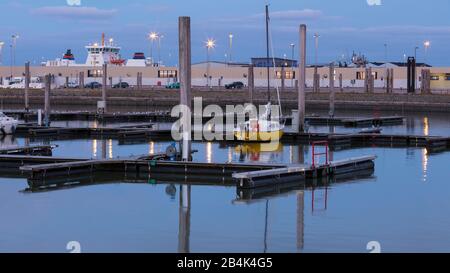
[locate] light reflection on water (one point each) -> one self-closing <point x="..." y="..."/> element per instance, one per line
<point x="394" y="207"/>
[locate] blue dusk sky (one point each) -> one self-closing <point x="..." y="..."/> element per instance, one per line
<point x="48" y="27"/>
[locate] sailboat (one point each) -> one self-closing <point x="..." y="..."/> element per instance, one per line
<point x="263" y="128"/>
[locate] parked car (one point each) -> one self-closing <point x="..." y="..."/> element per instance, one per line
<point x="72" y="85"/>
<point x="234" y="85"/>
<point x="175" y="85"/>
<point x="93" y="85"/>
<point x="121" y="85"/>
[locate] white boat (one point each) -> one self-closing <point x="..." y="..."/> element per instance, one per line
<point x="8" y="125"/>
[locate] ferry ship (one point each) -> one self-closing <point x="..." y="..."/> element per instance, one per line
<point x="102" y="53"/>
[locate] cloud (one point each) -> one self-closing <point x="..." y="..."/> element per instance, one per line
<point x="81" y="13"/>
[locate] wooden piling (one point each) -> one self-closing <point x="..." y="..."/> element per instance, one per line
<point x="104" y="85"/>
<point x="27" y="85"/>
<point x="47" y="100"/>
<point x="283" y="78"/>
<point x="184" y="39"/>
<point x="332" y="95"/>
<point x="81" y="80"/>
<point x="251" y="83"/>
<point x="302" y="79"/>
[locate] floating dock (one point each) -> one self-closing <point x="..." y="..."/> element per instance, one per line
<point x="39" y="170"/>
<point x="44" y="150"/>
<point x="254" y="179"/>
<point x="164" y="116"/>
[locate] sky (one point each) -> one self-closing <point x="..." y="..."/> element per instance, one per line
<point x="379" y="29"/>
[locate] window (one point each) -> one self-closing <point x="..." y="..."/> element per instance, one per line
<point x="167" y="74"/>
<point x="288" y="75"/>
<point x="97" y="73"/>
<point x="360" y="75"/>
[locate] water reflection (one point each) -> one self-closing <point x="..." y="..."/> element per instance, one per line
<point x="426" y="129"/>
<point x="259" y="152"/>
<point x="94" y="148"/>
<point x="8" y="141"/>
<point x="184" y="225"/>
<point x="424" y="165"/>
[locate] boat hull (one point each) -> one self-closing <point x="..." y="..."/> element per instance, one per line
<point x="258" y="136"/>
<point x="8" y="128"/>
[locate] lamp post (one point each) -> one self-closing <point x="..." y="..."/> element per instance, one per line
<point x="152" y="37"/>
<point x="316" y="44"/>
<point x="230" y="37"/>
<point x="426" y="44"/>
<point x="160" y="36"/>
<point x="13" y="52"/>
<point x="1" y="48"/>
<point x="210" y="44"/>
<point x="292" y="64"/>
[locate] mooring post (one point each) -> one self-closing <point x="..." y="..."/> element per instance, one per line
<point x="371" y="81"/>
<point x="316" y="81"/>
<point x="251" y="82"/>
<point x="67" y="82"/>
<point x="331" y="76"/>
<point x="283" y="78"/>
<point x="184" y="39"/>
<point x="104" y="83"/>
<point x="366" y="80"/>
<point x="391" y="82"/>
<point x="81" y="80"/>
<point x="426" y="79"/>
<point x="341" y="85"/>
<point x="48" y="82"/>
<point x="110" y="82"/>
<point x="302" y="80"/>
<point x="27" y="85"/>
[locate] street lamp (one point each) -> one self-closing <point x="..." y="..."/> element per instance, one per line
<point x="152" y="36"/>
<point x="316" y="43"/>
<point x="1" y="48"/>
<point x="230" y="36"/>
<point x="13" y="51"/>
<point x="159" y="48"/>
<point x="209" y="44"/>
<point x="426" y="44"/>
<point x="292" y="64"/>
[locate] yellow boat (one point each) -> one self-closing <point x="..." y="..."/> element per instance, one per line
<point x="259" y="131"/>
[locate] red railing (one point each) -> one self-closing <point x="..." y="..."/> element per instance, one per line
<point x="315" y="154"/>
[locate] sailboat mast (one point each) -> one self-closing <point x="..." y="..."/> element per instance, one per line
<point x="268" y="55"/>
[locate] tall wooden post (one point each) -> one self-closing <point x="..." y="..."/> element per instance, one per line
<point x="331" y="76"/>
<point x="283" y="78"/>
<point x="81" y="80"/>
<point x="316" y="80"/>
<point x="251" y="82"/>
<point x="302" y="80"/>
<point x="104" y="85"/>
<point x="48" y="82"/>
<point x="341" y="85"/>
<point x="27" y="85"/>
<point x="184" y="37"/>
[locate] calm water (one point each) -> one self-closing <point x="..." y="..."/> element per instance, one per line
<point x="405" y="205"/>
